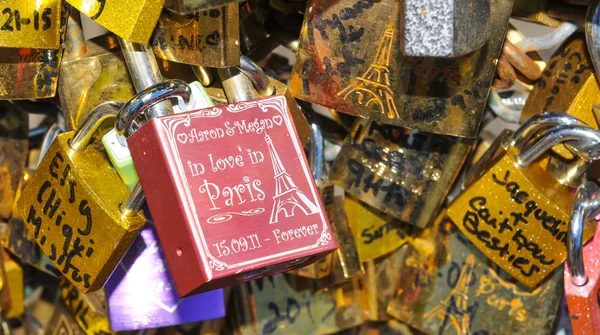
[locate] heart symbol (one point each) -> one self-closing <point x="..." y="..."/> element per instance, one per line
<point x="303" y="229"/>
<point x="277" y="119"/>
<point x="182" y="138"/>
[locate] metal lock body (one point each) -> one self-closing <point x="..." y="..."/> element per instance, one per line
<point x="29" y="73"/>
<point x="72" y="207"/>
<point x="91" y="73"/>
<point x="14" y="145"/>
<point x="447" y="286"/>
<point x="235" y="180"/>
<point x="284" y="304"/>
<point x="450" y="28"/>
<point x="132" y="20"/>
<point x="91" y="319"/>
<point x="582" y="272"/>
<point x="62" y="322"/>
<point x="534" y="11"/>
<point x="192" y="6"/>
<point x="567" y="84"/>
<point x="516" y="212"/>
<point x="16" y="289"/>
<point x="33" y="24"/>
<point x="375" y="233"/>
<point x="403" y="173"/>
<point x="209" y="38"/>
<point x="347" y="60"/>
<point x="141" y="294"/>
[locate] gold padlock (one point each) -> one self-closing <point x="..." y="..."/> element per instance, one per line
<point x="91" y="319"/>
<point x="28" y="73"/>
<point x="78" y="213"/>
<point x="376" y="234"/>
<point x="447" y="286"/>
<point x="92" y="72"/>
<point x="133" y="20"/>
<point x="33" y="24"/>
<point x="516" y="212"/>
<point x="209" y="38"/>
<point x="192" y="6"/>
<point x="16" y="287"/>
<point x="14" y="124"/>
<point x="401" y="172"/>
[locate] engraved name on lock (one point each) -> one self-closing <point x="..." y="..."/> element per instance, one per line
<point x="32" y="24"/>
<point x="242" y="182"/>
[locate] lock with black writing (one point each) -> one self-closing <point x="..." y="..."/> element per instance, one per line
<point x="516" y="212"/>
<point x="582" y="271"/>
<point x="209" y="38"/>
<point x="401" y="172"/>
<point x="131" y="20"/>
<point x="33" y="24"/>
<point x="244" y="166"/>
<point x="184" y="7"/>
<point x="349" y="60"/>
<point x="91" y="73"/>
<point x="29" y="73"/>
<point x="447" y="286"/>
<point x="88" y="310"/>
<point x="78" y="209"/>
<point x="286" y="304"/>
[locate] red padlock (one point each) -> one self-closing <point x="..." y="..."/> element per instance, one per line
<point x="582" y="272"/>
<point x="229" y="188"/>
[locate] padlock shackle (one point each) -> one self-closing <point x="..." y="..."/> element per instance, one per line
<point x="134" y="202"/>
<point x="587" y="207"/>
<point x="584" y="141"/>
<point x="316" y="160"/>
<point x="125" y="124"/>
<point x="92" y="122"/>
<point x="257" y="76"/>
<point x="538" y="122"/>
<point x="51" y="134"/>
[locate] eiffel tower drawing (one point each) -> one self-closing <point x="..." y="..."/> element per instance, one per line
<point x="372" y="89"/>
<point x="287" y="195"/>
<point x="454" y="311"/>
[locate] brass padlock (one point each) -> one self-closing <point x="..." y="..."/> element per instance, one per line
<point x="447" y="286"/>
<point x="28" y="73"/>
<point x="209" y="38"/>
<point x="348" y="60"/>
<point x="92" y="72"/>
<point x="77" y="213"/>
<point x="133" y="20"/>
<point x="192" y="6"/>
<point x="376" y="234"/>
<point x="516" y="212"/>
<point x="33" y="24"/>
<point x="283" y="304"/>
<point x="403" y="173"/>
<point x="91" y="318"/>
<point x="567" y="84"/>
<point x="14" y="281"/>
<point x="14" y="124"/>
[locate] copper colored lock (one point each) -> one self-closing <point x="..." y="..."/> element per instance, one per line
<point x="582" y="272"/>
<point x="229" y="188"/>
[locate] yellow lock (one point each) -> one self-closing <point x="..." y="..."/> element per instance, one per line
<point x="75" y="206"/>
<point x="92" y="72"/>
<point x="32" y="24"/>
<point x="209" y="38"/>
<point x="516" y="212"/>
<point x="28" y="73"/>
<point x="92" y="319"/>
<point x="14" y="281"/>
<point x="133" y="20"/>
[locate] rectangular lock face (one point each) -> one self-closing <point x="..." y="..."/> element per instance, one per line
<point x="518" y="217"/>
<point x="32" y="24"/>
<point x="246" y="195"/>
<point x="141" y="293"/>
<point x="400" y="172"/>
<point x="349" y="60"/>
<point x="133" y="20"/>
<point x="209" y="38"/>
<point x="78" y="228"/>
<point x="452" y="289"/>
<point x="29" y="73"/>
